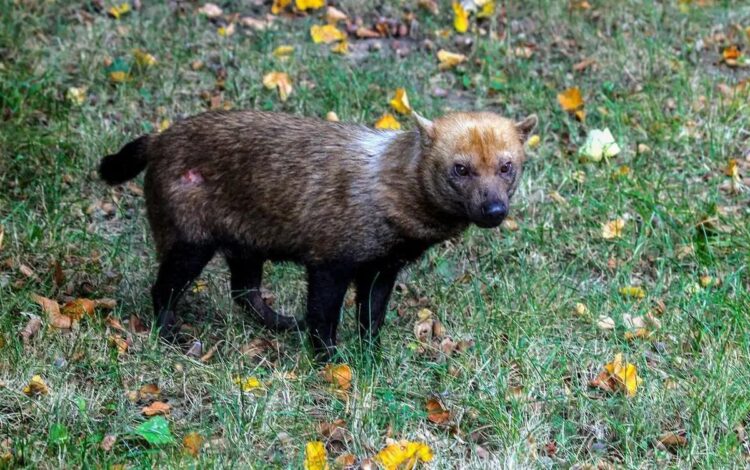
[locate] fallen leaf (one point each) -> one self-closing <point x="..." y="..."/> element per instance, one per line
<point x="226" y="31"/>
<point x="211" y="10"/>
<point x="155" y="431"/>
<point x="52" y="309"/>
<point x="248" y="384"/>
<point x="210" y="353"/>
<point x="108" y="442"/>
<point x="149" y="392"/>
<point x="487" y="8"/>
<point x="316" y="456"/>
<point x="119" y="10"/>
<point x="430" y="5"/>
<point x="387" y="121"/>
<point x="671" y="440"/>
<point x="335" y="431"/>
<point x="326" y="33"/>
<point x="339" y="375"/>
<point x="731" y="54"/>
<point x="279" y="80"/>
<point x="105" y="303"/>
<point x="342" y="47"/>
<point x="584" y="64"/>
<point x="403" y="452"/>
<point x="638" y="333"/>
<point x="36" y="386"/>
<point x="436" y="412"/>
<point x="448" y="59"/>
<point x="400" y="102"/>
<point x="143" y="58"/>
<point x="460" y="17"/>
<point x="78" y="308"/>
<point x="613" y="229"/>
<point x="303" y="5"/>
<point x="334" y="15"/>
<point x="283" y="51"/>
<point x="618" y="375"/>
<point x="119" y="343"/>
<point x="332" y="116"/>
<point x="558" y="198"/>
<point x="533" y="141"/>
<point x="32" y="328"/>
<point x="605" y="323"/>
<point x="192" y="443"/>
<point x="156" y="408"/>
<point x="76" y="95"/>
<point x="279" y="5"/>
<point x="260" y="347"/>
<point x="118" y="76"/>
<point x="345" y="461"/>
<point x="599" y="144"/>
<point x="634" y="292"/>
<point x="163" y="125"/>
<point x="571" y="99"/>
<point x="581" y="309"/>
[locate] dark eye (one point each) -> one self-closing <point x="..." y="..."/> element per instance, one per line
<point x="506" y="167"/>
<point x="460" y="170"/>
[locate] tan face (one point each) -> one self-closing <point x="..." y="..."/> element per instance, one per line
<point x="473" y="163"/>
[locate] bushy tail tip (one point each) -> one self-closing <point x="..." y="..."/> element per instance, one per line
<point x="125" y="164"/>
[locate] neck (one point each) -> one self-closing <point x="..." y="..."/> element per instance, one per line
<point x="404" y="195"/>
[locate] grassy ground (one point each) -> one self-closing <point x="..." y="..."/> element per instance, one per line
<point x="520" y="397"/>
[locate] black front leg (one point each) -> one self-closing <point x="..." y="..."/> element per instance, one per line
<point x="374" y="287"/>
<point x="326" y="287"/>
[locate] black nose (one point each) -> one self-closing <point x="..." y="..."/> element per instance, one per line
<point x="495" y="210"/>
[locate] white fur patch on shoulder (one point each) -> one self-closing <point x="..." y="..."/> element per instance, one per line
<point x="375" y="143"/>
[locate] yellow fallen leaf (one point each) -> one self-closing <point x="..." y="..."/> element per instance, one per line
<point x="117" y="11"/>
<point x="571" y="99"/>
<point x="339" y="375"/>
<point x="248" y="384"/>
<point x="36" y="386"/>
<point x="403" y="452"/>
<point x="192" y="443"/>
<point x="226" y="31"/>
<point x="279" y="5"/>
<point x="387" y="121"/>
<point x="143" y="58"/>
<point x="638" y="333"/>
<point x="118" y="76"/>
<point x="448" y="59"/>
<point x="303" y="5"/>
<point x="341" y="48"/>
<point x="581" y="309"/>
<point x="633" y="291"/>
<point x="315" y="456"/>
<point x="119" y="343"/>
<point x="707" y="281"/>
<point x="460" y="17"/>
<point x="156" y="408"/>
<point x="625" y="374"/>
<point x="487" y="8"/>
<point x="77" y="96"/>
<point x="400" y="102"/>
<point x="613" y="229"/>
<point x="326" y="33"/>
<point x="283" y="51"/>
<point x="281" y="81"/>
<point x="732" y="170"/>
<point x="164" y="125"/>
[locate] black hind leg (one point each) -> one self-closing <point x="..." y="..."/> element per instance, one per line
<point x="247" y="273"/>
<point x="180" y="265"/>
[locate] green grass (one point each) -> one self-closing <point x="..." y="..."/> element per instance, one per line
<point x="512" y="292"/>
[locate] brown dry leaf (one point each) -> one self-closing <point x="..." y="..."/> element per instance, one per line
<point x="52" y="309"/>
<point x="584" y="64"/>
<point x="366" y="33"/>
<point x="345" y="461"/>
<point x="108" y="442"/>
<point x="334" y="15"/>
<point x="423" y="329"/>
<point x="339" y="375"/>
<point x="156" y="408"/>
<point x="672" y="439"/>
<point x="192" y="443"/>
<point x="731" y="54"/>
<point x="136" y="325"/>
<point x="436" y="412"/>
<point x="76" y="309"/>
<point x="36" y="386"/>
<point x="32" y="328"/>
<point x="105" y="303"/>
<point x="119" y="343"/>
<point x="2" y="236"/>
<point x="334" y="431"/>
<point x="429" y="5"/>
<point x="210" y="353"/>
<point x="613" y="229"/>
<point x="281" y="81"/>
<point x="149" y="392"/>
<point x="114" y="323"/>
<point x="570" y="100"/>
<point x="260" y="347"/>
<point x="558" y="198"/>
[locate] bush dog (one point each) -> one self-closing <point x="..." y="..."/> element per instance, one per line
<point x="350" y="203"/>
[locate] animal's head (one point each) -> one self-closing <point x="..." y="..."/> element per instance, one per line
<point x="472" y="162"/>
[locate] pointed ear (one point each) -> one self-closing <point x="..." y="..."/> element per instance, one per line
<point x="426" y="127"/>
<point x="526" y="126"/>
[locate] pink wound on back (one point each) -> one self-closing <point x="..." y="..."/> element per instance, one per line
<point x="192" y="177"/>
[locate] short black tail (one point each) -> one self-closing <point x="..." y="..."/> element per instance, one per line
<point x="126" y="164"/>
